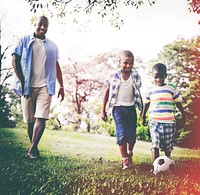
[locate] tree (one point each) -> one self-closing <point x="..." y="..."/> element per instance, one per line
<point x="194" y="6"/>
<point x="6" y="95"/>
<point x="107" y="9"/>
<point x="81" y="85"/>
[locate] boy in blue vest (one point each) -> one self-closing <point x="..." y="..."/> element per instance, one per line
<point x="123" y="95"/>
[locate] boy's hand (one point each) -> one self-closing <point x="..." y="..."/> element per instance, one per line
<point x="104" y="116"/>
<point x="144" y="123"/>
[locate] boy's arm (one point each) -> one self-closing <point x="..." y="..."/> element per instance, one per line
<point x="181" y="109"/>
<point x="141" y="102"/>
<point x="144" y="111"/>
<point x="105" y="100"/>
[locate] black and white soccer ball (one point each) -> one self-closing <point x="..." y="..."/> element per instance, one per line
<point x="163" y="164"/>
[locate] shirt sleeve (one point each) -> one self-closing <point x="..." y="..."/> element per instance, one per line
<point x="18" y="48"/>
<point x="138" y="81"/>
<point x="108" y="80"/>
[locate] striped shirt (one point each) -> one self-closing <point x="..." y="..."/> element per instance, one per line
<point x="162" y="100"/>
<point x="114" y="83"/>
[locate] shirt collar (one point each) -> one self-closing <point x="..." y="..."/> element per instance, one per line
<point x="32" y="38"/>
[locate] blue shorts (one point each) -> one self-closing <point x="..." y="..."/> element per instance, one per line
<point x="125" y="120"/>
<point x="162" y="135"/>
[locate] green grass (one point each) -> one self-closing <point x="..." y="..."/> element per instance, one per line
<point x="78" y="163"/>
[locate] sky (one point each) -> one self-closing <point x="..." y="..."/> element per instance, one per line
<point x="145" y="31"/>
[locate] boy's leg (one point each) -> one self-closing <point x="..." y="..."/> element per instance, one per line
<point x="155" y="153"/>
<point x="169" y="131"/>
<point x="168" y="154"/>
<point x="131" y="125"/>
<point x="130" y="147"/>
<point x="123" y="150"/>
<point x="155" y="137"/>
<point x="124" y="155"/>
<point x="130" y="153"/>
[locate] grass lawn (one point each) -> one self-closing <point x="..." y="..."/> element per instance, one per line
<point x="78" y="163"/>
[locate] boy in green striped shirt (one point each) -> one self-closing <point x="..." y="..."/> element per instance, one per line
<point x="160" y="101"/>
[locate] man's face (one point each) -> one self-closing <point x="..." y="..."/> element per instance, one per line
<point x="126" y="64"/>
<point x="41" y="27"/>
<point x="159" y="77"/>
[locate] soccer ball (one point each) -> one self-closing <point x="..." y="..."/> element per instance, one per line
<point x="163" y="164"/>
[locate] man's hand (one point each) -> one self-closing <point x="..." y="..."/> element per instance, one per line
<point x="61" y="93"/>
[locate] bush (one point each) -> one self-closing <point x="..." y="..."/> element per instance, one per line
<point x="6" y="103"/>
<point x="108" y="127"/>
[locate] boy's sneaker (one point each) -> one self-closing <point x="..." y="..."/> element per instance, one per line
<point x="125" y="163"/>
<point x="130" y="154"/>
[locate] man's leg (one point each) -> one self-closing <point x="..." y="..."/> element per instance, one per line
<point x="30" y="130"/>
<point x="38" y="130"/>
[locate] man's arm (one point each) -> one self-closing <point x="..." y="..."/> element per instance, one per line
<point x="18" y="70"/>
<point x="105" y="100"/>
<point x="60" y="81"/>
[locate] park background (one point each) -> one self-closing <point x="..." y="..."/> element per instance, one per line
<point x="89" y="44"/>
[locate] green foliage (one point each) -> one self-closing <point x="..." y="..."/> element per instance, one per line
<point x="8" y="118"/>
<point x="143" y="131"/>
<point x="67" y="168"/>
<point x="103" y="10"/>
<point x="108" y="126"/>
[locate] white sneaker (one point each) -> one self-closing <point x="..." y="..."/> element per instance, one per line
<point x="125" y="163"/>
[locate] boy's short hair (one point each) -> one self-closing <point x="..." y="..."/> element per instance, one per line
<point x="160" y="68"/>
<point x="127" y="53"/>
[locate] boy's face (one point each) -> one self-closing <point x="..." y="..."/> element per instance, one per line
<point x="126" y="64"/>
<point x="159" y="77"/>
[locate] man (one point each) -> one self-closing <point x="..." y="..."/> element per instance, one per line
<point x="35" y="62"/>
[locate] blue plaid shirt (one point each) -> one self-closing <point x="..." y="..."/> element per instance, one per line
<point x="114" y="82"/>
